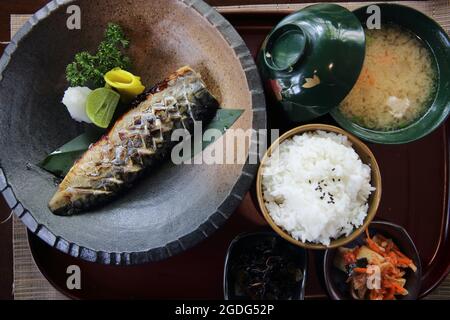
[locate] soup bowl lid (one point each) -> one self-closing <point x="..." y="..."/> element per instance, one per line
<point x="312" y="59"/>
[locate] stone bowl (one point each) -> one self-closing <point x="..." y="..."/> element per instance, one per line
<point x="175" y="207"/>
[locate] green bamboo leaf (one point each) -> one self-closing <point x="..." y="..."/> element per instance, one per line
<point x="61" y="160"/>
<point x="223" y="120"/>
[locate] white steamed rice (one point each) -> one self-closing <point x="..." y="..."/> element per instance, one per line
<point x="316" y="187"/>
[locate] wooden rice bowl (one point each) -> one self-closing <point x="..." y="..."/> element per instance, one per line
<point x="366" y="156"/>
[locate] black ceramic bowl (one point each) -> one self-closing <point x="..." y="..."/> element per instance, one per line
<point x="336" y="280"/>
<point x="247" y="243"/>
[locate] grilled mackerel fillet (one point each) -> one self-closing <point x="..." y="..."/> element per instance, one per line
<point x="139" y="140"/>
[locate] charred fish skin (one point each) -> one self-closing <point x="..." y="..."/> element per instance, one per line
<point x="137" y="142"/>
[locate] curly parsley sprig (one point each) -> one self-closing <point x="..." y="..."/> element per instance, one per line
<point x="88" y="69"/>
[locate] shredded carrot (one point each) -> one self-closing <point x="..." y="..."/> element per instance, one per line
<point x="392" y="268"/>
<point x="389" y="296"/>
<point x="366" y="78"/>
<point x="383" y="239"/>
<point x="389" y="246"/>
<point x="376" y="295"/>
<point x="392" y="257"/>
<point x="398" y="288"/>
<point x="349" y="257"/>
<point x="372" y="245"/>
<point x="404" y="261"/>
<point x="360" y="270"/>
<point x="367" y="233"/>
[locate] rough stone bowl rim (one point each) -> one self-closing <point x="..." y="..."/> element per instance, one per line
<point x="188" y="241"/>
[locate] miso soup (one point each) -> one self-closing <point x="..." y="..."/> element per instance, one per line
<point x="397" y="83"/>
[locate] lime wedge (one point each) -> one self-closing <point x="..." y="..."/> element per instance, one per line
<point x="101" y="105"/>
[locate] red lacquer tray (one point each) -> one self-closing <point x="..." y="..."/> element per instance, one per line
<point x="415" y="195"/>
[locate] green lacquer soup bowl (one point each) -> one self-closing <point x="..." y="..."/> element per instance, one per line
<point x="311" y="60"/>
<point x="437" y="40"/>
